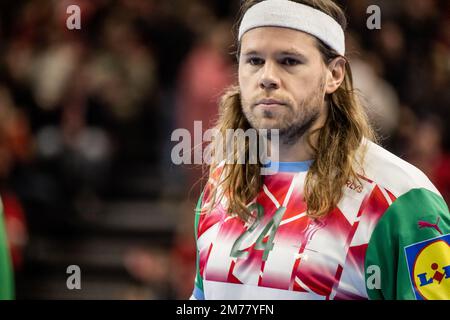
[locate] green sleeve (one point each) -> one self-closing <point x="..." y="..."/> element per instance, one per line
<point x="410" y="249"/>
<point x="6" y="275"/>
<point x="198" y="288"/>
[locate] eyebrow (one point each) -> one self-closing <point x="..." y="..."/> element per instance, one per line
<point x="290" y="52"/>
<point x="293" y="52"/>
<point x="250" y="53"/>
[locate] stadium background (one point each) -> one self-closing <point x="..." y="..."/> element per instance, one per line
<point x="86" y="118"/>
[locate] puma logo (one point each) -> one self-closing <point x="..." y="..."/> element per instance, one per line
<point x="424" y="224"/>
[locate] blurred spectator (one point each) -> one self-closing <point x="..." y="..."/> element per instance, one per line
<point x="377" y="96"/>
<point x="16" y="228"/>
<point x="15" y="147"/>
<point x="427" y="153"/>
<point x="206" y="73"/>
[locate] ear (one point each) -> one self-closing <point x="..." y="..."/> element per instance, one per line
<point x="335" y="74"/>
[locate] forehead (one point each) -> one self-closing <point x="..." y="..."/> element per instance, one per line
<point x="277" y="38"/>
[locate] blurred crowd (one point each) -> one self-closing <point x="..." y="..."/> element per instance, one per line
<point x="78" y="106"/>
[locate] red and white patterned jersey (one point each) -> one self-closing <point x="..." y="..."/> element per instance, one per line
<point x="284" y="254"/>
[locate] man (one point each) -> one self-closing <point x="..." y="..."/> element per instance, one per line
<point x="342" y="218"/>
<point x="6" y="279"/>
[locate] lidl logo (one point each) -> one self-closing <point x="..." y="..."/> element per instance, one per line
<point x="429" y="268"/>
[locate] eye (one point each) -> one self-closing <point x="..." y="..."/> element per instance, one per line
<point x="255" y="61"/>
<point x="290" y="62"/>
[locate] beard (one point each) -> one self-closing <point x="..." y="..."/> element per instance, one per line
<point x="293" y="123"/>
<point x="292" y="134"/>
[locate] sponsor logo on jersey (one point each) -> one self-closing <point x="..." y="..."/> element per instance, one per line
<point x="429" y="268"/>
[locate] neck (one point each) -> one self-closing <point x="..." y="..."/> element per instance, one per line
<point x="297" y="152"/>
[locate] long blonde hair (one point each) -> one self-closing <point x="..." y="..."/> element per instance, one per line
<point x="338" y="141"/>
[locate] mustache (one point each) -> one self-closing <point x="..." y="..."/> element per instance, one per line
<point x="270" y="100"/>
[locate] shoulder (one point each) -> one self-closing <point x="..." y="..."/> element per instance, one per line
<point x="414" y="228"/>
<point x="393" y="173"/>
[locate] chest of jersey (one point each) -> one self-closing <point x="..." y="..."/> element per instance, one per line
<point x="282" y="253"/>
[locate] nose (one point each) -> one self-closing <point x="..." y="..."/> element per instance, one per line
<point x="269" y="79"/>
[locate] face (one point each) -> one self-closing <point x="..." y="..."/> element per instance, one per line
<point x="282" y="78"/>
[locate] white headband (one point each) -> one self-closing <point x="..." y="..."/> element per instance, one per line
<point x="293" y="15"/>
